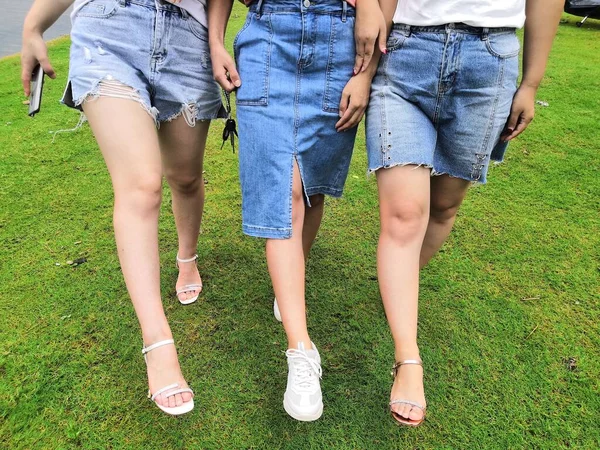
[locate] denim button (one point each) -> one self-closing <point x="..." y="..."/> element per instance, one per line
<point x="306" y="3"/>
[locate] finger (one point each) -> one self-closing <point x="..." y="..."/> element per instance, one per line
<point x="344" y="103"/>
<point x="358" y="62"/>
<point x="26" y="80"/>
<point x="340" y="125"/>
<point x="521" y="126"/>
<point x="353" y="120"/>
<point x="234" y="75"/>
<point x="511" y="123"/>
<point x="224" y="81"/>
<point x="48" y="69"/>
<point x="382" y="39"/>
<point x="369" y="46"/>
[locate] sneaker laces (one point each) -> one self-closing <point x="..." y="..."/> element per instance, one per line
<point x="305" y="367"/>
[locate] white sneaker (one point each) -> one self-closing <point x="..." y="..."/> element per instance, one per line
<point x="302" y="399"/>
<point x="276" y="312"/>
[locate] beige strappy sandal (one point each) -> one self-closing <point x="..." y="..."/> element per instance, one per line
<point x="403" y="420"/>
<point x="187" y="287"/>
<point x="170" y="390"/>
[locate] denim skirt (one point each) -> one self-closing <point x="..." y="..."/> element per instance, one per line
<point x="294" y="58"/>
<point x="441" y="98"/>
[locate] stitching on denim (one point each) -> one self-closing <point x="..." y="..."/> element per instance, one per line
<point x="488" y="45"/>
<point x="115" y="7"/>
<point x="264" y="99"/>
<point x="440" y="95"/>
<point x="479" y="164"/>
<point x="332" y="41"/>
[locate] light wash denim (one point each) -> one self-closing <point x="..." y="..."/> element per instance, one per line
<point x="294" y="59"/>
<point x="152" y="46"/>
<point x="441" y="98"/>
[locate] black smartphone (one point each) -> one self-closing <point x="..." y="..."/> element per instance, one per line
<point x="37" y="84"/>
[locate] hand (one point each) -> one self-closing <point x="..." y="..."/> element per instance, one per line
<point x="522" y="112"/>
<point x="34" y="52"/>
<point x="370" y="28"/>
<point x="224" y="71"/>
<point x="355" y="98"/>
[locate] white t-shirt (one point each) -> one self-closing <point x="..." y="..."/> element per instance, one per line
<point x="196" y="9"/>
<point x="476" y="13"/>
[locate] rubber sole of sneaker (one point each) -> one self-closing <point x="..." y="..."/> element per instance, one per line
<point x="302" y="417"/>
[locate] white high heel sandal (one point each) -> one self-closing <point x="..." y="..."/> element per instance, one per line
<point x="188" y="287"/>
<point x="170" y="390"/>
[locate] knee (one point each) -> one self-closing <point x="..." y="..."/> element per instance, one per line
<point x="141" y="196"/>
<point x="184" y="183"/>
<point x="443" y="210"/>
<point x="404" y="223"/>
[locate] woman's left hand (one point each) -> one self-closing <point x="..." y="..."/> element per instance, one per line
<point x="370" y="29"/>
<point x="355" y="99"/>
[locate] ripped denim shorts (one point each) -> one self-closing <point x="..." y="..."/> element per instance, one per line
<point x="149" y="51"/>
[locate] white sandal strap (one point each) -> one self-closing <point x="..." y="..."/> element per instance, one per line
<point x="180" y="260"/>
<point x="189" y="288"/>
<point x="165" y="389"/>
<point x="407" y="402"/>
<point x="156" y="345"/>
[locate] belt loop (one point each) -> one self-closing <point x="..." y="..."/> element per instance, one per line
<point x="344" y="10"/>
<point x="259" y="8"/>
<point x="484" y="34"/>
<point x="123" y="2"/>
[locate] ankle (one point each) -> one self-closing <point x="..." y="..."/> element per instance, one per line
<point x="295" y="343"/>
<point x="404" y="352"/>
<point x="157" y="334"/>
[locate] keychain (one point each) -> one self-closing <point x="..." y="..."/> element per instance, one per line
<point x="230" y="132"/>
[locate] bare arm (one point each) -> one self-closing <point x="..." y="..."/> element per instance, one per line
<point x="41" y="16"/>
<point x="224" y="70"/>
<point x="540" y="28"/>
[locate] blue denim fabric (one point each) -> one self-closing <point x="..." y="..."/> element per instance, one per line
<point x="441" y="98"/>
<point x="294" y="62"/>
<point x="154" y="47"/>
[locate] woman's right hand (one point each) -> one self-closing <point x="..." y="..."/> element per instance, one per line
<point x="34" y="52"/>
<point x="224" y="69"/>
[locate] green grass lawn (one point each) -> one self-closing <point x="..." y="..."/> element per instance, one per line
<point x="511" y="297"/>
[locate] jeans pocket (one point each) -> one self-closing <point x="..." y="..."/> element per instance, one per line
<point x="503" y="45"/>
<point x="396" y="40"/>
<point x="340" y="62"/>
<point x="197" y="29"/>
<point x="98" y="9"/>
<point x="252" y="49"/>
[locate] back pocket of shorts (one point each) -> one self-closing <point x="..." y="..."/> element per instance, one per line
<point x="252" y="48"/>
<point x="99" y="9"/>
<point x="340" y="62"/>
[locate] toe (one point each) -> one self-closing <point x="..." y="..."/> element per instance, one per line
<point x="405" y="412"/>
<point x="415" y="413"/>
<point x="172" y="401"/>
<point x="186" y="396"/>
<point x="178" y="400"/>
<point x="160" y="400"/>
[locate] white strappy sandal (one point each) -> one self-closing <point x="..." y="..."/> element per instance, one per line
<point x="400" y="419"/>
<point x="170" y="390"/>
<point x="188" y="287"/>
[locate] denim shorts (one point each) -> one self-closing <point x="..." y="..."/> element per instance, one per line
<point x="151" y="46"/>
<point x="294" y="61"/>
<point x="441" y="98"/>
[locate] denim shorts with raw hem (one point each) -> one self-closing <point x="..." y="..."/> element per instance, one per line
<point x="441" y="98"/>
<point x="152" y="47"/>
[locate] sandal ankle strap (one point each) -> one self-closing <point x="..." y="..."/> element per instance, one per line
<point x="156" y="345"/>
<point x="398" y="364"/>
<point x="188" y="260"/>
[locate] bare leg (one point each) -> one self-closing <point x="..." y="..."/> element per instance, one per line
<point x="285" y="259"/>
<point x="312" y="222"/>
<point x="128" y="141"/>
<point x="182" y="149"/>
<point x="447" y="194"/>
<point x="404" y="211"/>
